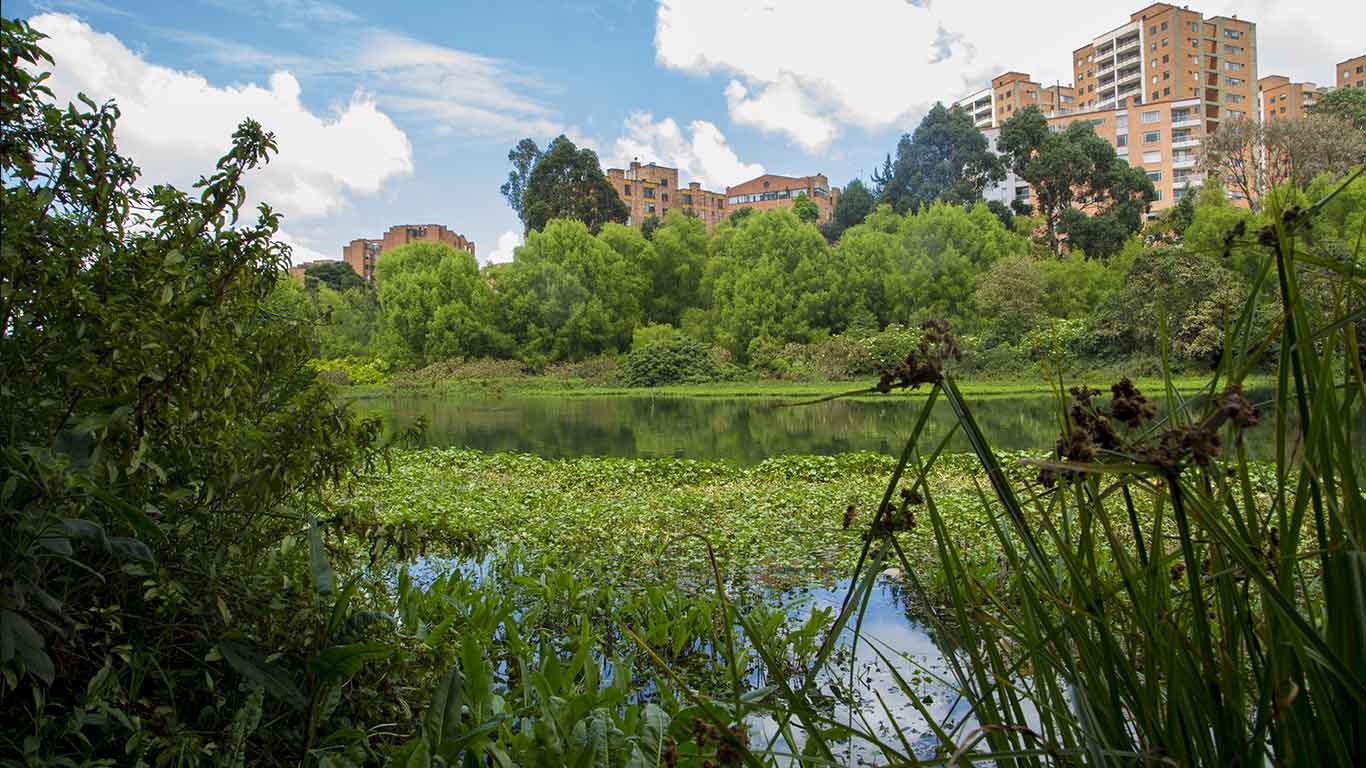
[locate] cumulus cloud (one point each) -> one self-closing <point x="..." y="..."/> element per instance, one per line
<point x="507" y="243"/>
<point x="809" y="69"/>
<point x="176" y="124"/>
<point x="700" y="152"/>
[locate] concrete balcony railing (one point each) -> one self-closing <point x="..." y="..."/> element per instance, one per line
<point x="1184" y="161"/>
<point x="1189" y="141"/>
<point x="1190" y="121"/>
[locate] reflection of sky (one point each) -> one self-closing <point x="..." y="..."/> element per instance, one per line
<point x="915" y="656"/>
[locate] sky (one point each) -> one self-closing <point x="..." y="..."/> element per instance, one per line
<point x="400" y="112"/>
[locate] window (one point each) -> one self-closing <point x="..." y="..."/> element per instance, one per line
<point x="626" y="189"/>
<point x="1152" y="30"/>
<point x="1164" y="26"/>
<point x="687" y="199"/>
<point x="1166" y="58"/>
<point x="650" y="192"/>
<point x="1122" y="122"/>
<point x="1122" y="140"/>
<point x="1152" y="137"/>
<point x="1151" y="117"/>
<point x="1164" y="42"/>
<point x="1233" y="98"/>
<point x="1282" y="110"/>
<point x="1166" y="91"/>
<point x="1154" y="79"/>
<point x="666" y="197"/>
<point x="1154" y="46"/>
<point x="1232" y="34"/>
<point x="1152" y="156"/>
<point x="1154" y="98"/>
<point x="1157" y="194"/>
<point x="1155" y="175"/>
<point x="650" y="208"/>
<point x="1233" y="49"/>
<point x="1154" y="63"/>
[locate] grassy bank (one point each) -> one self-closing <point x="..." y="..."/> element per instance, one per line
<point x="536" y="386"/>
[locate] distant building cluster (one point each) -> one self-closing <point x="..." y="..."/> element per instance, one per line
<point x="1155" y="87"/>
<point x="362" y="253"/>
<point x="652" y="190"/>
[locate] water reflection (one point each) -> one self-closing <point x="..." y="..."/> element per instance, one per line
<point x="745" y="431"/>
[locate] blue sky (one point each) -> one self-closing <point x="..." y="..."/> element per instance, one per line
<point x="403" y="112"/>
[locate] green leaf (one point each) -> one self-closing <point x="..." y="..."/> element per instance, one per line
<point x="251" y="664"/>
<point x="19" y="639"/>
<point x="324" y="581"/>
<point x="339" y="662"/>
<point x="442" y="721"/>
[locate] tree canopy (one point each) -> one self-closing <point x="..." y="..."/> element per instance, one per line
<point x="946" y="159"/>
<point x="337" y="275"/>
<point x="1084" y="191"/>
<point x="562" y="182"/>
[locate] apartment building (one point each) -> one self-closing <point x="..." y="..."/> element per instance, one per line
<point x="652" y="190"/>
<point x="1352" y="72"/>
<point x="1163" y="53"/>
<point x="1012" y="92"/>
<point x="297" y="271"/>
<point x="773" y="191"/>
<point x="1280" y="99"/>
<point x="363" y="253"/>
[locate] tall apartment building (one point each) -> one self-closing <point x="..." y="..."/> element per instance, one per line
<point x="1164" y="52"/>
<point x="1011" y="92"/>
<point x="651" y="190"/>
<point x="1352" y="72"/>
<point x="362" y="253"/>
<point x="1280" y="99"/>
<point x="773" y="191"/>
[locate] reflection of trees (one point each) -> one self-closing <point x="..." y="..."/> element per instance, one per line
<point x="742" y="430"/>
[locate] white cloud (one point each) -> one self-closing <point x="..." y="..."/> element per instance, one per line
<point x="700" y="153"/>
<point x="299" y="252"/>
<point x="507" y="243"/>
<point x="808" y="69"/>
<point x="175" y="124"/>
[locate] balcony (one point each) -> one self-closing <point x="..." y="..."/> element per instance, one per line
<point x="1187" y="160"/>
<point x="1187" y="120"/>
<point x="1180" y="142"/>
<point x="1129" y="73"/>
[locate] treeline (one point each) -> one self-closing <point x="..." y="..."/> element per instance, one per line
<point x="770" y="294"/>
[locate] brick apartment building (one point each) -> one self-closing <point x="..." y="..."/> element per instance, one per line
<point x="1165" y="53"/>
<point x="772" y="191"/>
<point x="1153" y="87"/>
<point x="1280" y="99"/>
<point x="297" y="271"/>
<point x="1012" y="92"/>
<point x="362" y="253"/>
<point x="650" y="189"/>
<point x="1352" y="72"/>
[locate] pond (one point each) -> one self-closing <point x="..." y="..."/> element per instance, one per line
<point x="741" y="430"/>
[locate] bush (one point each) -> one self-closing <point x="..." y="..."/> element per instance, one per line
<point x="352" y="369"/>
<point x="480" y="369"/>
<point x="679" y="360"/>
<point x="646" y="335"/>
<point x="600" y="369"/>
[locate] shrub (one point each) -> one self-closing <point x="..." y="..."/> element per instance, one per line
<point x="352" y="369"/>
<point x="646" y="335"/>
<point x="600" y="369"/>
<point x="480" y="369"/>
<point x="679" y="360"/>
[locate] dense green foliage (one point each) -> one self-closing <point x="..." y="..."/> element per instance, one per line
<point x="1083" y="190"/>
<point x="1346" y="104"/>
<point x="946" y="159"/>
<point x="677" y="360"/>
<point x="562" y="181"/>
<point x="435" y="306"/>
<point x="855" y="203"/>
<point x="337" y="275"/>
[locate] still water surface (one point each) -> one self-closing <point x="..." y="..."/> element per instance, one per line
<point x="742" y="430"/>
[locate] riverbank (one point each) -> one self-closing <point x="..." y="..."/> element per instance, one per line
<point x="766" y="389"/>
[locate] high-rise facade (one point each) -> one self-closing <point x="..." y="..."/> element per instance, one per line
<point x="1352" y="72"/>
<point x="774" y="191"/>
<point x="1280" y="99"/>
<point x="363" y="253"/>
<point x="1164" y="52"/>
<point x="651" y="190"/>
<point x="1012" y="92"/>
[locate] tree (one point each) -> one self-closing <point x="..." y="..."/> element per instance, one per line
<point x="771" y="283"/>
<point x="337" y="275"/>
<point x="1249" y="157"/>
<point x="346" y="321"/>
<point x="680" y="248"/>
<point x="806" y="210"/>
<point x="855" y="203"/>
<point x="569" y="295"/>
<point x="523" y="158"/>
<point x="946" y="159"/>
<point x="739" y="215"/>
<point x="649" y="225"/>
<point x="567" y="183"/>
<point x="163" y="435"/>
<point x="1084" y="191"/>
<point x="1346" y="104"/>
<point x="433" y="305"/>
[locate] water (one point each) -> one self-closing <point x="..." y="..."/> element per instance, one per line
<point x="742" y="430"/>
